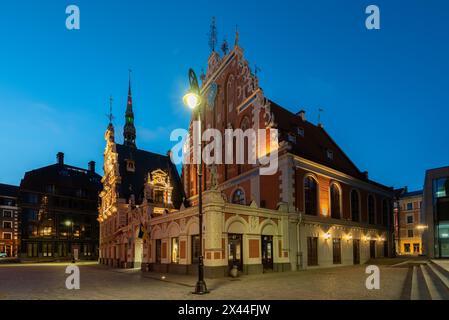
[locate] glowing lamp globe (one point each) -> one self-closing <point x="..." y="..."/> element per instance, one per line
<point x="192" y="100"/>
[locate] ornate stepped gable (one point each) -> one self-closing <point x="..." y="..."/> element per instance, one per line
<point x="235" y="100"/>
<point x="129" y="171"/>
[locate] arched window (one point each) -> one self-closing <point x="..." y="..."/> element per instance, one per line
<point x="238" y="197"/>
<point x="385" y="212"/>
<point x="310" y="196"/>
<point x="335" y="201"/>
<point x="371" y="209"/>
<point x="355" y="206"/>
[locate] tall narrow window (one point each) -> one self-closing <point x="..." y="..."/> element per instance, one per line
<point x="335" y="202"/>
<point x="175" y="250"/>
<point x="310" y="196"/>
<point x="355" y="206"/>
<point x="158" y="250"/>
<point x="385" y="212"/>
<point x="196" y="249"/>
<point x="371" y="210"/>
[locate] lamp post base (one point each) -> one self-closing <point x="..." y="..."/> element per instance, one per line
<point x="201" y="288"/>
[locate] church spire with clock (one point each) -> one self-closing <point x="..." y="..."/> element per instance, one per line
<point x="129" y="131"/>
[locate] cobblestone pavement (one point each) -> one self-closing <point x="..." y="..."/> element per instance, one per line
<point x="47" y="281"/>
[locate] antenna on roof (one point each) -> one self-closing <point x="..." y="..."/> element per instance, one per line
<point x="319" y="116"/>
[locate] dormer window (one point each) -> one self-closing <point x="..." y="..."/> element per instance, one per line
<point x="300" y="131"/>
<point x="130" y="166"/>
<point x="330" y="154"/>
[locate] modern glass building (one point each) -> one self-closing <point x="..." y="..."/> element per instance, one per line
<point x="436" y="213"/>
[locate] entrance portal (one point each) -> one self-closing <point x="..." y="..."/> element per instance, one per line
<point x="267" y="252"/>
<point x="235" y="249"/>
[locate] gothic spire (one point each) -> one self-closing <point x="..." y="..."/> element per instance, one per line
<point x="237" y="36"/>
<point x="110" y="115"/>
<point x="213" y="35"/>
<point x="129" y="131"/>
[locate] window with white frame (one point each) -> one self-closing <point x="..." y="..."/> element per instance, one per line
<point x="7" y="236"/>
<point x="7" y="213"/>
<point x="7" y="224"/>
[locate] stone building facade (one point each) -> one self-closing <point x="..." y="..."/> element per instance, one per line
<point x="408" y="221"/>
<point x="317" y="209"/>
<point x="137" y="186"/>
<point x="9" y="220"/>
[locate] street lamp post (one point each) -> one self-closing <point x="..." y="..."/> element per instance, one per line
<point x="69" y="223"/>
<point x="194" y="101"/>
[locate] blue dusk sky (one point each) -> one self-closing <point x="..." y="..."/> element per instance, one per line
<point x="385" y="93"/>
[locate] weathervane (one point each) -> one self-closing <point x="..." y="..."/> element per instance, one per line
<point x="213" y="35"/>
<point x="256" y="69"/>
<point x="110" y="115"/>
<point x="319" y="115"/>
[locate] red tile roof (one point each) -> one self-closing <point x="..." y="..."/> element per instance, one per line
<point x="315" y="143"/>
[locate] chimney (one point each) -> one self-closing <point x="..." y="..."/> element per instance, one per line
<point x="365" y="173"/>
<point x="91" y="166"/>
<point x="302" y="115"/>
<point x="60" y="158"/>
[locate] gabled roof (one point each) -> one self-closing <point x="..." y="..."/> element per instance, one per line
<point x="8" y="190"/>
<point x="144" y="163"/>
<point x="315" y="143"/>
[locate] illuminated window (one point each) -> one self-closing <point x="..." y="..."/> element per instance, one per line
<point x="175" y="250"/>
<point x="335" y="201"/>
<point x="310" y="196"/>
<point x="159" y="196"/>
<point x="130" y="166"/>
<point x="407" y="247"/>
<point x="7" y="236"/>
<point x="238" y="197"/>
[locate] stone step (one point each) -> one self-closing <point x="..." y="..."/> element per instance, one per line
<point x="436" y="287"/>
<point x="442" y="274"/>
<point x="419" y="286"/>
